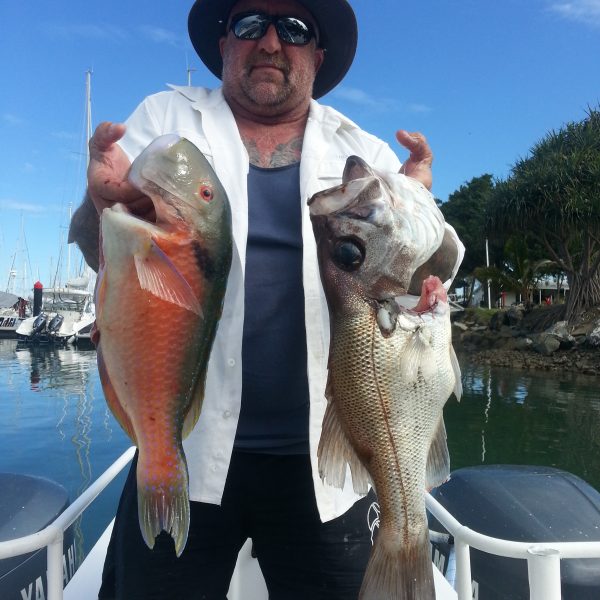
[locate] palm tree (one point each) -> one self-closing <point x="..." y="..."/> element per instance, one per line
<point x="519" y="272"/>
<point x="554" y="194"/>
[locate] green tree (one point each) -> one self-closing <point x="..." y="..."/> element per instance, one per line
<point x="466" y="210"/>
<point x="554" y="194"/>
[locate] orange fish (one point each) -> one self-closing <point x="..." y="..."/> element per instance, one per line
<point x="159" y="298"/>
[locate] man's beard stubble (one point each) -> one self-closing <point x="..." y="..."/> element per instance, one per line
<point x="274" y="92"/>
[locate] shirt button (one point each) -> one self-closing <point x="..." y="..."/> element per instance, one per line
<point x="226" y="414"/>
<point x="231" y="362"/>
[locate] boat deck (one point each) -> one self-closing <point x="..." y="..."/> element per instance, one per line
<point x="247" y="582"/>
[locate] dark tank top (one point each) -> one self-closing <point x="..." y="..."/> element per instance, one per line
<point x="275" y="398"/>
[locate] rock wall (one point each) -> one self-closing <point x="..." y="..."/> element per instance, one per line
<point x="504" y="338"/>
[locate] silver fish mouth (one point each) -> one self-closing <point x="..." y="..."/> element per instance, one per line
<point x="338" y="199"/>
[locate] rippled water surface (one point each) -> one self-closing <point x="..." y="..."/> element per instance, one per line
<point x="55" y="422"/>
<point x="523" y="417"/>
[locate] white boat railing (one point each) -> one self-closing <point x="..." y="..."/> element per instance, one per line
<point x="543" y="559"/>
<point x="52" y="536"/>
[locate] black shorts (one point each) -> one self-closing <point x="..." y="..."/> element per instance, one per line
<point x="268" y="498"/>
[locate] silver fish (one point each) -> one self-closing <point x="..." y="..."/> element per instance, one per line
<point x="391" y="362"/>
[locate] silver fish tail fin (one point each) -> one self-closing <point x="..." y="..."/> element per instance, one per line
<point x="397" y="571"/>
<point x="336" y="454"/>
<point x="164" y="503"/>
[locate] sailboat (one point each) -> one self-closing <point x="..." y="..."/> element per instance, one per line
<point x="67" y="312"/>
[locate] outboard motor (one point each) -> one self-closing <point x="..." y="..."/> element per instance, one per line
<point x="55" y="323"/>
<point x="39" y="324"/>
<point x="524" y="504"/>
<point x="27" y="505"/>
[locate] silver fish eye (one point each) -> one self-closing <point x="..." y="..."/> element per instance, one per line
<point x="348" y="254"/>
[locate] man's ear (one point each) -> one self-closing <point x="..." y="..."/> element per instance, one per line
<point x="222" y="44"/>
<point x="319" y="58"/>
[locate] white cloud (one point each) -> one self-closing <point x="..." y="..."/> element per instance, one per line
<point x="101" y="31"/>
<point x="583" y="11"/>
<point x="64" y="135"/>
<point x="18" y="205"/>
<point x="27" y="168"/>
<point x="11" y="119"/>
<point x="160" y="35"/>
<point x="416" y="107"/>
<point x="362" y="98"/>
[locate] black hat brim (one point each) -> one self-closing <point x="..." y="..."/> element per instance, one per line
<point x="338" y="35"/>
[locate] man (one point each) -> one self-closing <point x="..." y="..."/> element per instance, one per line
<point x="252" y="456"/>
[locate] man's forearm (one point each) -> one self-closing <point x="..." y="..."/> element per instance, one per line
<point x="84" y="231"/>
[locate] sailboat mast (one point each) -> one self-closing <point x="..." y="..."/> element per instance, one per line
<point x="88" y="135"/>
<point x="88" y="112"/>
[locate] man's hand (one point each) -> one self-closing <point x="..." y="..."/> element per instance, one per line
<point x="418" y="164"/>
<point x="107" y="173"/>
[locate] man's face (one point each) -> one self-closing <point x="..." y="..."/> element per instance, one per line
<point x="268" y="75"/>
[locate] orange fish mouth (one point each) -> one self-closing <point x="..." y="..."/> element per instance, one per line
<point x="142" y="208"/>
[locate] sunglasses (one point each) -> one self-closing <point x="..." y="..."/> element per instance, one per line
<point x="253" y="26"/>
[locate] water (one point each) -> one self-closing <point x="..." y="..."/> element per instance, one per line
<point x="518" y="417"/>
<point x="55" y="423"/>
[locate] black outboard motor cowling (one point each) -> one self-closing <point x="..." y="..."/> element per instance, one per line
<point x="39" y="324"/>
<point x="27" y="505"/>
<point x="55" y="323"/>
<point x="523" y="504"/>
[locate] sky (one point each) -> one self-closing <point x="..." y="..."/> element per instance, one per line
<point x="484" y="80"/>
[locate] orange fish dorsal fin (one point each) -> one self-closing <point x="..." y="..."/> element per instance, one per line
<point x="158" y="275"/>
<point x="111" y="397"/>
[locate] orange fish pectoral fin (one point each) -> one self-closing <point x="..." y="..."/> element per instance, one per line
<point x="111" y="397"/>
<point x="438" y="460"/>
<point x="335" y="454"/>
<point x="158" y="275"/>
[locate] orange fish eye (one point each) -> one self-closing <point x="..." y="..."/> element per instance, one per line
<point x="205" y="192"/>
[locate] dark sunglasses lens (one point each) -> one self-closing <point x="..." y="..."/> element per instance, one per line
<point x="251" y="27"/>
<point x="293" y="31"/>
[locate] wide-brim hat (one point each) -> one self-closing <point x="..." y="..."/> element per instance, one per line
<point x="338" y="34"/>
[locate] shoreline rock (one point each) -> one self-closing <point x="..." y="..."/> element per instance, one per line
<point x="507" y="338"/>
<point x="583" y="362"/>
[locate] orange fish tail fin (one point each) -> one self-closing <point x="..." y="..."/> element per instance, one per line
<point x="164" y="503"/>
<point x="397" y="571"/>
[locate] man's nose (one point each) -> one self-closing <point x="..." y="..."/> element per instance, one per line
<point x="270" y="42"/>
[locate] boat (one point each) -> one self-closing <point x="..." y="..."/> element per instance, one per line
<point x="65" y="311"/>
<point x="12" y="313"/>
<point x="477" y="494"/>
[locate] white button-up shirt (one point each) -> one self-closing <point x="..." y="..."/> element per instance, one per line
<point x="204" y="117"/>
